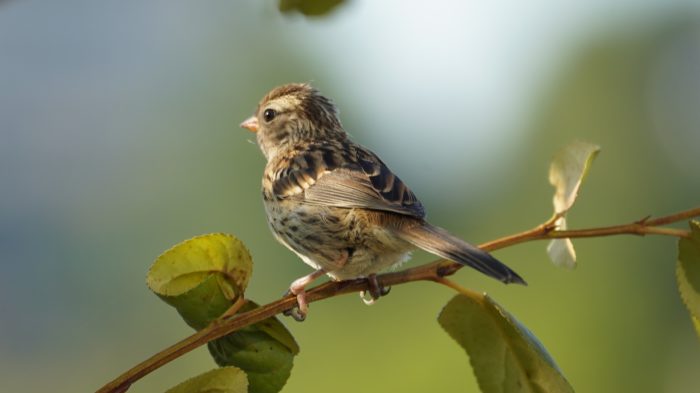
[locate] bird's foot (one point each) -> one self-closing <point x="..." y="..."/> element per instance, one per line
<point x="298" y="289"/>
<point x="375" y="290"/>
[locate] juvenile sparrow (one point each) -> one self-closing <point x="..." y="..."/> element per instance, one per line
<point x="336" y="204"/>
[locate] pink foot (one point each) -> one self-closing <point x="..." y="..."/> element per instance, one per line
<point x="298" y="289"/>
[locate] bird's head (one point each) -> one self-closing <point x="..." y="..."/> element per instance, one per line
<point x="292" y="115"/>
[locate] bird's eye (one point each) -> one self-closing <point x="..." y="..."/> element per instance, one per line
<point x="269" y="114"/>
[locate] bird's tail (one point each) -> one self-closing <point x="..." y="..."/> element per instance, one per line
<point x="438" y="241"/>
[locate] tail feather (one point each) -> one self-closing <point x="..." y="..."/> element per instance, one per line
<point x="438" y="241"/>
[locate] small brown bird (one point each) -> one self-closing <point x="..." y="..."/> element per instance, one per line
<point x="336" y="204"/>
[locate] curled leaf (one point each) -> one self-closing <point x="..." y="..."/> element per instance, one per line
<point x="264" y="350"/>
<point x="273" y="328"/>
<point x="561" y="251"/>
<point x="566" y="173"/>
<point x="568" y="170"/>
<point x="505" y="356"/>
<point x="220" y="380"/>
<point x="688" y="273"/>
<point x="202" y="276"/>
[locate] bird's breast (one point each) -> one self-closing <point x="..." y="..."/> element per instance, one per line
<point x="324" y="237"/>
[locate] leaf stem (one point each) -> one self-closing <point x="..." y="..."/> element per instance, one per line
<point x="233" y="309"/>
<point x="434" y="271"/>
<point x="462" y="290"/>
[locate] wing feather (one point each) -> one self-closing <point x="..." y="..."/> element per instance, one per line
<point x="345" y="176"/>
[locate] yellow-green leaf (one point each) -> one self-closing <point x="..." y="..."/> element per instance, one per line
<point x="264" y="350"/>
<point x="187" y="264"/>
<point x="568" y="170"/>
<point x="201" y="276"/>
<point x="506" y="356"/>
<point x="220" y="380"/>
<point x="688" y="272"/>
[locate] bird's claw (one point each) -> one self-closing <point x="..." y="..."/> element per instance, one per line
<point x="298" y="312"/>
<point x="375" y="290"/>
<point x="295" y="313"/>
<point x="298" y="289"/>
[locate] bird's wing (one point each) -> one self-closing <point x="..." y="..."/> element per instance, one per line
<point x="351" y="177"/>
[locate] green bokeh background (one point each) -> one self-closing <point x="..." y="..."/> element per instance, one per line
<point x="119" y="138"/>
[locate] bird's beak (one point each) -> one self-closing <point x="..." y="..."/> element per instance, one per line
<point x="251" y="124"/>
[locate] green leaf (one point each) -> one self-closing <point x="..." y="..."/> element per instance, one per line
<point x="505" y="356"/>
<point x="273" y="328"/>
<point x="220" y="380"/>
<point x="566" y="173"/>
<point x="688" y="272"/>
<point x="202" y="276"/>
<point x="309" y="7"/>
<point x="265" y="351"/>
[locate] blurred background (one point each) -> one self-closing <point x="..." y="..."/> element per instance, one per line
<point x="119" y="138"/>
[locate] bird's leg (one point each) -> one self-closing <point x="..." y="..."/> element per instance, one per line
<point x="298" y="289"/>
<point x="375" y="290"/>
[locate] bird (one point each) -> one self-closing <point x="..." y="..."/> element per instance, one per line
<point x="336" y="204"/>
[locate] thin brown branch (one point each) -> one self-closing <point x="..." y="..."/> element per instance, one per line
<point x="434" y="271"/>
<point x="680" y="216"/>
<point x="631" y="229"/>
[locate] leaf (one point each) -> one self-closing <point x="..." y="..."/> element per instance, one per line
<point x="309" y="7"/>
<point x="505" y="356"/>
<point x="220" y="380"/>
<point x="696" y="324"/>
<point x="187" y="264"/>
<point x="568" y="170"/>
<point x="202" y="276"/>
<point x="264" y="350"/>
<point x="688" y="272"/>
<point x="566" y="173"/>
<point x="273" y="328"/>
<point x="561" y="251"/>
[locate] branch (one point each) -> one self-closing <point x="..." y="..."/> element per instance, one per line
<point x="434" y="271"/>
